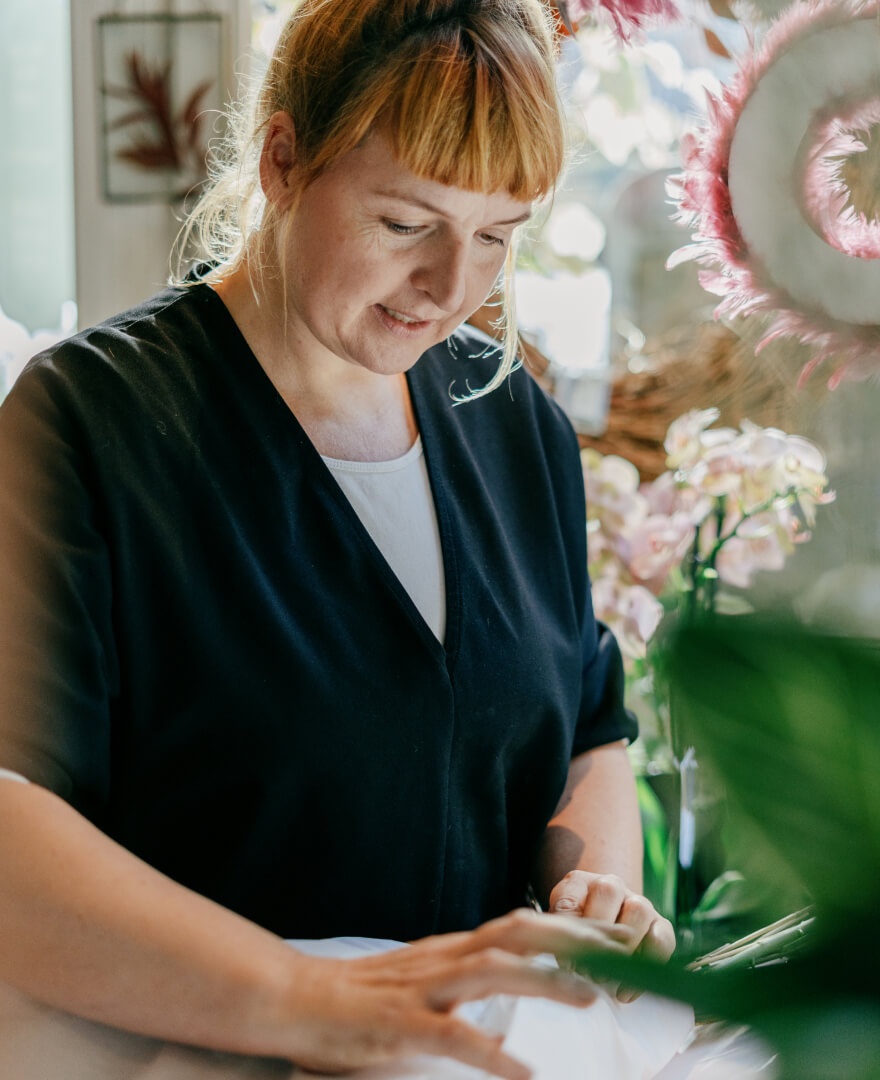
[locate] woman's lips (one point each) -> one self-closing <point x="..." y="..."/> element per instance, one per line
<point x="399" y="322"/>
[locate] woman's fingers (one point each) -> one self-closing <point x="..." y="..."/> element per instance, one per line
<point x="659" y="942"/>
<point x="419" y="986"/>
<point x="605" y="896"/>
<point x="493" y="971"/>
<point x="388" y="1025"/>
<point x="403" y="1001"/>
<point x="594" y="896"/>
<point x="496" y="958"/>
<point x="487" y="972"/>
<point x="395" y="1009"/>
<point x="528" y="933"/>
<point x="449" y="1036"/>
<point x="523" y="933"/>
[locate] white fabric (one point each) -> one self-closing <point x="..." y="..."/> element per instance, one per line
<point x="393" y="500"/>
<point x="8" y="774"/>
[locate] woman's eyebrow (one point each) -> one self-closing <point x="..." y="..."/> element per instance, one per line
<point x="519" y="220"/>
<point x="424" y="204"/>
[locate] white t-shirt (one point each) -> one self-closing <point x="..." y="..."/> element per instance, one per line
<point x="393" y="500"/>
<point x="8" y="774"/>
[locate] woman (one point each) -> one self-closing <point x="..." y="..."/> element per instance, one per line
<point x="293" y="647"/>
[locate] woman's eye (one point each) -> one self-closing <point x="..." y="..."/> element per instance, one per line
<point x="401" y="230"/>
<point x="487" y="238"/>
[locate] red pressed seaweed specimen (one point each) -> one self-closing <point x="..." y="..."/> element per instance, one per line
<point x="165" y="140"/>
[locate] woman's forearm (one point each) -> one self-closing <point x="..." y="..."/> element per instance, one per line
<point x="597" y="826"/>
<point x="590" y="862"/>
<point x="89" y="928"/>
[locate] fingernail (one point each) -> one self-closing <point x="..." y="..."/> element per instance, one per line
<point x="565" y="904"/>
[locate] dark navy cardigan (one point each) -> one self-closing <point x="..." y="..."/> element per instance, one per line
<point x="204" y="652"/>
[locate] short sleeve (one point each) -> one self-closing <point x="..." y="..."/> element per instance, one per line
<point x="57" y="662"/>
<point x="603" y="718"/>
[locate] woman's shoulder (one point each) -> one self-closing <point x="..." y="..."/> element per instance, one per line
<point x="168" y="323"/>
<point x="156" y="347"/>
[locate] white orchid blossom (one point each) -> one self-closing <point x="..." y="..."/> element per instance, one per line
<point x="732" y="503"/>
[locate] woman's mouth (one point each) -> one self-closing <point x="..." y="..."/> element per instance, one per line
<point x="400" y="315"/>
<point x="400" y="321"/>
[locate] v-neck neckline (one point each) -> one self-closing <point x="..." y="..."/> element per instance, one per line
<point x="431" y="438"/>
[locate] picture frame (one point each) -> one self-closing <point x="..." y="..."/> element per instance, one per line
<point x="160" y="92"/>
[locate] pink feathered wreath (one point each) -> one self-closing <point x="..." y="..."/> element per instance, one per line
<point x="755" y="267"/>
<point x="629" y="16"/>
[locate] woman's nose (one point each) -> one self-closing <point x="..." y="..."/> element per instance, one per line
<point x="443" y="275"/>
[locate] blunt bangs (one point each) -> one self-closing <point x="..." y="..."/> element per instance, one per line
<point x="461" y="120"/>
<point x="469" y="101"/>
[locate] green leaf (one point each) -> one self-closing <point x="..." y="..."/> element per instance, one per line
<point x="729" y="895"/>
<point x="788" y="719"/>
<point x="656" y="841"/>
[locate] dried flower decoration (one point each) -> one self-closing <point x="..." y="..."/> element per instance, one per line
<point x="161" y="138"/>
<point x="780" y="186"/>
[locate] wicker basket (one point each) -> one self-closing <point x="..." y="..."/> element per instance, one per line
<point x="696" y="368"/>
<point x="702" y="365"/>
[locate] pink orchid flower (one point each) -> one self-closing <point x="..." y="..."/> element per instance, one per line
<point x="631" y="611"/>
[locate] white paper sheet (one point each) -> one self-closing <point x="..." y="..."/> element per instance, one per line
<point x="608" y="1039"/>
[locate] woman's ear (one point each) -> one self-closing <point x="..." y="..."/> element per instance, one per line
<point x="278" y="159"/>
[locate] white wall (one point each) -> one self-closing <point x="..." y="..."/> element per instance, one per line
<point x="36" y="202"/>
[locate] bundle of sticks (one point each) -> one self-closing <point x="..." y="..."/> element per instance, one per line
<point x="773" y="944"/>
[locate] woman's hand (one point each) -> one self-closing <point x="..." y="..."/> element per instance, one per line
<point x="606" y="897"/>
<point x="88" y="928"/>
<point x="346" y="1014"/>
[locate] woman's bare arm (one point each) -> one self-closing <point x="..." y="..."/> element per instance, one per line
<point x="590" y="862"/>
<point x="596" y="826"/>
<point x="87" y="927"/>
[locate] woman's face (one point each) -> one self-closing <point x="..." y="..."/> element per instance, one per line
<point x="382" y="264"/>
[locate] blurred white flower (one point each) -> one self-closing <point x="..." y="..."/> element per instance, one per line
<point x="656" y="544"/>
<point x="762" y="543"/>
<point x="731" y="504"/>
<point x="630" y="611"/>
<point x="18" y="344"/>
<point x="683" y="443"/>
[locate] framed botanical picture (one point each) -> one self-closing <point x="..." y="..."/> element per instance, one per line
<point x="160" y="92"/>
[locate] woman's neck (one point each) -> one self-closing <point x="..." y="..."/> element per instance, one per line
<point x="348" y="412"/>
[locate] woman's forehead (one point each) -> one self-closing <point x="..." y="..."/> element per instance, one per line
<point x="377" y="170"/>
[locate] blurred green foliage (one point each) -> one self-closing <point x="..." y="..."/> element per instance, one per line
<point x="655" y="828"/>
<point x="788" y="721"/>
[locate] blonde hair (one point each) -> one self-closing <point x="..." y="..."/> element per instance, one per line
<point x="464" y="90"/>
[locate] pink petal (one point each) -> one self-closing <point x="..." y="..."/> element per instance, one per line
<point x="629" y="16"/>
